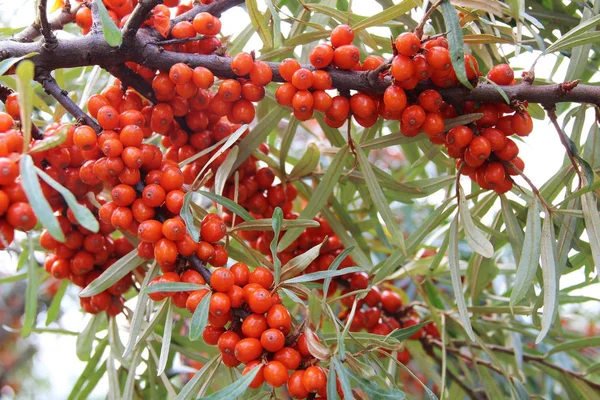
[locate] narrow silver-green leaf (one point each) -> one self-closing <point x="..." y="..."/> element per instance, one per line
<point x="40" y="205"/>
<point x="592" y="225"/>
<point x="582" y="27"/>
<point x="112" y="274"/>
<point x="478" y="242"/>
<point x="319" y="197"/>
<point x="530" y="253"/>
<point x="30" y="317"/>
<point x="550" y="276"/>
<point x="174" y="287"/>
<point x="258" y="22"/>
<point x="112" y="34"/>
<point x="200" y="317"/>
<point x="455" y="41"/>
<point x="190" y="390"/>
<point x="54" y="308"/>
<point x="307" y="163"/>
<point x="379" y="199"/>
<point x="298" y="264"/>
<point x="223" y="173"/>
<point x="265" y="224"/>
<point x="85" y="340"/>
<point x="135" y="323"/>
<point x="82" y="214"/>
<point x="52" y="141"/>
<point x="25" y="73"/>
<point x="387" y="14"/>
<point x="237" y="388"/>
<point x="453" y="263"/>
<point x="166" y="339"/>
<point x="228" y="204"/>
<point x="323" y="274"/>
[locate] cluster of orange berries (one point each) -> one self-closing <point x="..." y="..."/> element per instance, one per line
<point x="15" y="211"/>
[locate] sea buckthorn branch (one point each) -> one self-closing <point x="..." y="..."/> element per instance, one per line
<point x="93" y="50"/>
<point x="48" y="36"/>
<point x="51" y="87"/>
<point x="551" y="112"/>
<point x="505" y="350"/>
<point x="216" y="8"/>
<point x="56" y="22"/>
<point x="137" y="18"/>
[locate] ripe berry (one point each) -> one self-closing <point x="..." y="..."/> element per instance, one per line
<point x="363" y="105"/>
<point x="203" y="77"/>
<point x="288" y="67"/>
<point x="219" y="304"/>
<point x="211" y="334"/>
<point x="314" y="379"/>
<point x="480" y="148"/>
<point x="262" y="276"/>
<point x="408" y="44"/>
<point x="222" y="280"/>
<point x="509" y="151"/>
<point x="522" y="123"/>
<point x="261" y="73"/>
<point x="295" y="386"/>
<point x="259" y="378"/>
<point x="194" y="299"/>
<point x="431" y="100"/>
<point x="496" y="137"/>
<point x="84" y="137"/>
<point x="248" y="349"/>
<point x="402" y="68"/>
<point x="346" y="57"/>
<point x="413" y="116"/>
<point x="341" y="35"/>
<point x="275" y="373"/>
<point x="241" y="64"/>
<point x="494" y="174"/>
<point x="272" y="340"/>
<point x="259" y="301"/>
<point x="165" y="252"/>
<point x="321" y="55"/>
<point x="459" y="137"/>
<point x="321" y="80"/>
<point x="289" y="357"/>
<point x="391" y="301"/>
<point x="438" y="58"/>
<point x="302" y="79"/>
<point x="501" y="74"/>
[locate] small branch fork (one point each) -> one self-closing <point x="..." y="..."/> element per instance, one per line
<point x="137" y="18"/>
<point x="49" y="39"/>
<point x="419" y="28"/>
<point x="51" y="87"/>
<point x="55" y="22"/>
<point x="527" y="357"/>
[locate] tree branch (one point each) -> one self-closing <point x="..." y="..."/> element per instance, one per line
<point x="526" y="357"/>
<point x="52" y="88"/>
<point x="56" y="21"/>
<point x="49" y="40"/>
<point x="93" y="50"/>
<point x="215" y="8"/>
<point x="137" y="18"/>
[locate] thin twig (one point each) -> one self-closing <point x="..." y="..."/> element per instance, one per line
<point x="62" y="96"/>
<point x="472" y="393"/>
<point x="526" y="357"/>
<point x="49" y="39"/>
<point x="198" y="266"/>
<point x="534" y="189"/>
<point x="419" y="28"/>
<point x="551" y="112"/>
<point x="138" y="16"/>
<point x="56" y="21"/>
<point x="180" y="41"/>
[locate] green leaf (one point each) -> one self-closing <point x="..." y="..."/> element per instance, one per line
<point x="592" y="225"/>
<point x="575" y="32"/>
<point x="54" y="308"/>
<point x="258" y="22"/>
<point x="323" y="274"/>
<point x="237" y="388"/>
<point x="6" y="64"/>
<point x="228" y="204"/>
<point x="575" y="344"/>
<point x="85" y="340"/>
<point x="536" y="111"/>
<point x="259" y="133"/>
<point x="112" y="34"/>
<point x="113" y="274"/>
<point x="379" y="199"/>
<point x="31" y="292"/>
<point x="331" y="384"/>
<point x="298" y="264"/>
<point x="88" y="370"/>
<point x="386" y="15"/>
<point x="276" y="224"/>
<point x="319" y="197"/>
<point x="188" y="217"/>
<point x="200" y="317"/>
<point x="475" y="238"/>
<point x="40" y="205"/>
<point x="82" y="214"/>
<point x="223" y="173"/>
<point x="455" y="41"/>
<point x="191" y="388"/>
<point x="25" y="73"/>
<point x="343" y="377"/>
<point x="135" y="323"/>
<point x="265" y="224"/>
<point x="174" y="287"/>
<point x="333" y="267"/>
<point x="530" y="253"/>
<point x="453" y="263"/>
<point x="373" y="390"/>
<point x="550" y="276"/>
<point x="307" y="163"/>
<point x="166" y="339"/>
<point x="286" y="142"/>
<point x="52" y="141"/>
<point x="403" y="334"/>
